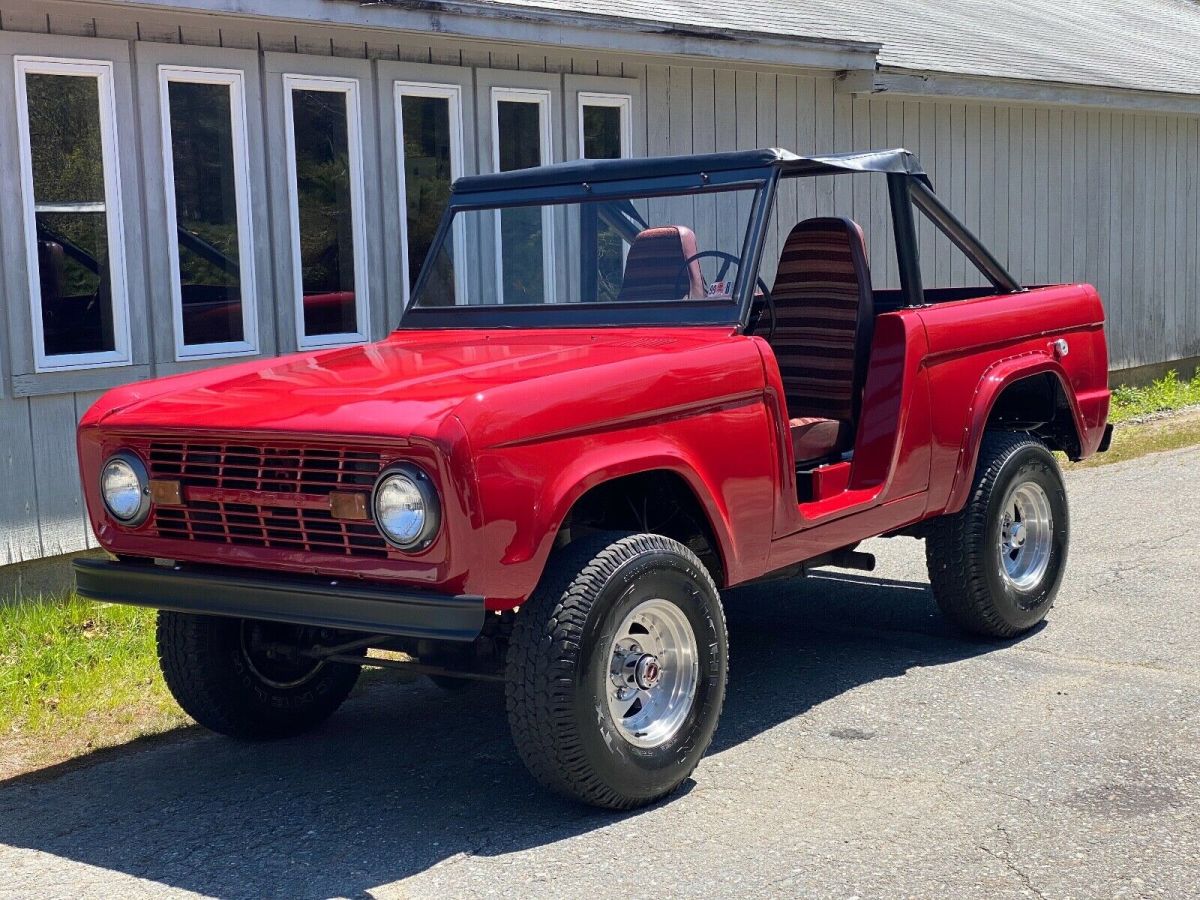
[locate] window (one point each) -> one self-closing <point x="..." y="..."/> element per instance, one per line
<point x="325" y="174"/>
<point x="521" y="138"/>
<point x="430" y="141"/>
<point x="605" y="123"/>
<point x="71" y="187"/>
<point x="604" y="133"/>
<point x="205" y="172"/>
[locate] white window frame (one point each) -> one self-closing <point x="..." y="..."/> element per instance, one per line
<point x="544" y="100"/>
<point x="233" y="79"/>
<point x="349" y="87"/>
<point x="102" y="71"/>
<point x="452" y="93"/>
<point x="623" y="102"/>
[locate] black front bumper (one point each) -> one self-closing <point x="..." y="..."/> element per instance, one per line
<point x="322" y="602"/>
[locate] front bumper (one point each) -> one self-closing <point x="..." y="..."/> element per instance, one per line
<point x="321" y="602"/>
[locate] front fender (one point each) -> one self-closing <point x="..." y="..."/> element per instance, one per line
<point x="578" y="480"/>
<point x="526" y="492"/>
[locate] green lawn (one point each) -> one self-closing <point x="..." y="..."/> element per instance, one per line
<point x="74" y="676"/>
<point x="1164" y="415"/>
<point x="1164" y="395"/>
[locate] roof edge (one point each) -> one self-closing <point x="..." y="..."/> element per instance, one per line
<point x="544" y="26"/>
<point x="901" y="81"/>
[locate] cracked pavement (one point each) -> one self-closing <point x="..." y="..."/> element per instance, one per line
<point x="865" y="750"/>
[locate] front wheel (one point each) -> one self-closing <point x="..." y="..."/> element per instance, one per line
<point x="616" y="670"/>
<point x="247" y="678"/>
<point x="996" y="566"/>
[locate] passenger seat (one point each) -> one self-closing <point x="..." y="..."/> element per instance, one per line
<point x="660" y="266"/>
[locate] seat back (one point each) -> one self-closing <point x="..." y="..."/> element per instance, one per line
<point x="823" y="311"/>
<point x="658" y="267"/>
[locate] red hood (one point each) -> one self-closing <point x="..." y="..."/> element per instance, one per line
<point x="404" y="385"/>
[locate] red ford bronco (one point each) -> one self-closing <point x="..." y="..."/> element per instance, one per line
<point x="607" y="400"/>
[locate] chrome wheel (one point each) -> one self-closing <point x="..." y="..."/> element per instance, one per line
<point x="1026" y="535"/>
<point x="653" y="672"/>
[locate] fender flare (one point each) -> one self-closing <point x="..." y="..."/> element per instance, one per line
<point x="560" y="497"/>
<point x="995" y="379"/>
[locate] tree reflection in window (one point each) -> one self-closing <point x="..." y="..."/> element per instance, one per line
<point x="602" y="140"/>
<point x="427" y="180"/>
<point x="206" y="212"/>
<point x="519" y="142"/>
<point x="323" y="198"/>
<point x="70" y="212"/>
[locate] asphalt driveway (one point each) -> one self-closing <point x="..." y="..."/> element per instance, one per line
<point x="865" y="750"/>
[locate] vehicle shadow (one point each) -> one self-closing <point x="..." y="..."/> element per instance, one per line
<point x="407" y="775"/>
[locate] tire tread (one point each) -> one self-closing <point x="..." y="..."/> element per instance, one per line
<point x="546" y="645"/>
<point x="956" y="553"/>
<point x="199" y="678"/>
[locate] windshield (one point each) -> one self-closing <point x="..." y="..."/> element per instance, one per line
<point x="663" y="248"/>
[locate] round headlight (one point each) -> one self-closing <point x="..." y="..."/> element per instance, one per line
<point x="125" y="487"/>
<point x="406" y="507"/>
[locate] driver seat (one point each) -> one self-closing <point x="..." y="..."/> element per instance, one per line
<point x="824" y="313"/>
<point x="656" y="265"/>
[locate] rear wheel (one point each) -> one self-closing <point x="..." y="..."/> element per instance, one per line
<point x="616" y="670"/>
<point x="245" y="678"/>
<point x="996" y="566"/>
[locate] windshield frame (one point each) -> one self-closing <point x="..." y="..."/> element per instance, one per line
<point x="761" y="179"/>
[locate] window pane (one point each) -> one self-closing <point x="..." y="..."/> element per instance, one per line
<point x="427" y="174"/>
<point x="520" y="142"/>
<point x="602" y="132"/>
<point x="70" y="212"/>
<point x="206" y="212"/>
<point x="520" y="134"/>
<point x="320" y="124"/>
<point x="602" y="140"/>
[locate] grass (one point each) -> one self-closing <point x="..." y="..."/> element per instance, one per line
<point x="1164" y="415"/>
<point x="76" y="676"/>
<point x="1165" y="395"/>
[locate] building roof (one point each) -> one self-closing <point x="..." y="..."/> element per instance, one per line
<point x="1147" y="46"/>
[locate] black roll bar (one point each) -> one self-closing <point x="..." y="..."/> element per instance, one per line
<point x="907" y="257"/>
<point x="932" y="208"/>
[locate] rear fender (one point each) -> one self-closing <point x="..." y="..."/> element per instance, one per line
<point x="995" y="380"/>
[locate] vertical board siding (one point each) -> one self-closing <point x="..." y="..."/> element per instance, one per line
<point x="20" y="538"/>
<point x="56" y="474"/>
<point x="1058" y="194"/>
<point x="41" y="504"/>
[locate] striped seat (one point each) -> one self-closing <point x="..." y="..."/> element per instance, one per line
<point x="660" y="266"/>
<point x="823" y="311"/>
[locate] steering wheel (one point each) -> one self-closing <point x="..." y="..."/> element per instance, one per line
<point x="729" y="259"/>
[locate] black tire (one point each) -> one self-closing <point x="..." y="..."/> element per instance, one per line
<point x="560" y="656"/>
<point x="212" y="675"/>
<point x="964" y="554"/>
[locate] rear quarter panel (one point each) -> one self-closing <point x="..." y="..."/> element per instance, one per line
<point x="976" y="348"/>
